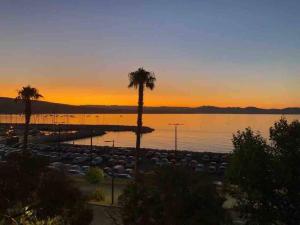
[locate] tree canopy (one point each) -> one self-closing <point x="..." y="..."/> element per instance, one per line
<point x="267" y="175"/>
<point x="141" y="77"/>
<point x="28" y="93"/>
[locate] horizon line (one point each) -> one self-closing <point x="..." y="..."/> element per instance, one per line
<point x="161" y="106"/>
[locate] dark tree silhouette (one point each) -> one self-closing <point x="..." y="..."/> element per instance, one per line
<point x="172" y="195"/>
<point x="267" y="176"/>
<point x="140" y="80"/>
<point x="28" y="188"/>
<point x="26" y="95"/>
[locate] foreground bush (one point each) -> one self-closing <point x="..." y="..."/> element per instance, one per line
<point x="29" y="189"/>
<point x="172" y="196"/>
<point x="94" y="175"/>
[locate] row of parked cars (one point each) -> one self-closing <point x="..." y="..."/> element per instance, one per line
<point x="6" y="150"/>
<point x="119" y="162"/>
<point x="200" y="162"/>
<point x="77" y="160"/>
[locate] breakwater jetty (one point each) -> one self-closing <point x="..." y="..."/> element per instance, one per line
<point x="67" y="132"/>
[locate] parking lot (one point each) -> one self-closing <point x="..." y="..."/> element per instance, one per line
<point x="76" y="160"/>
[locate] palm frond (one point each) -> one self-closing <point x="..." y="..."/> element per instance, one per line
<point x="141" y="77"/>
<point x="28" y="93"/>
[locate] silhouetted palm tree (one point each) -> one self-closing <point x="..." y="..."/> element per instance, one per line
<point x="26" y="95"/>
<point x="140" y="80"/>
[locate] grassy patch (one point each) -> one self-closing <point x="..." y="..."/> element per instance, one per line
<point x="105" y="186"/>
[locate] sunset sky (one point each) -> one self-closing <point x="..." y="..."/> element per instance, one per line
<point x="203" y="52"/>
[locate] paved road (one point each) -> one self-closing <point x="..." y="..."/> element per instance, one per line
<point x="101" y="215"/>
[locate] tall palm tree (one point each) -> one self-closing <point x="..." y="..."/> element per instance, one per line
<point x="140" y="80"/>
<point x="26" y="95"/>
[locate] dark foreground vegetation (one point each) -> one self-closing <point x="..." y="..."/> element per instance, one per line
<point x="173" y="195"/>
<point x="267" y="176"/>
<point x="31" y="193"/>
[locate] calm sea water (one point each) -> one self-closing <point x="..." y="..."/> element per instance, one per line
<point x="200" y="132"/>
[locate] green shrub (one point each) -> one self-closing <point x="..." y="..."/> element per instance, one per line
<point x="94" y="175"/>
<point x="98" y="195"/>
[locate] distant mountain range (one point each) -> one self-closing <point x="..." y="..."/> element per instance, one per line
<point x="9" y="106"/>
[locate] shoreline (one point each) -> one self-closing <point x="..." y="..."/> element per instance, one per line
<point x="110" y="148"/>
<point x="132" y="148"/>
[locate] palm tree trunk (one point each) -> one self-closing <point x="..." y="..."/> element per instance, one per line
<point x="139" y="128"/>
<point x="27" y="121"/>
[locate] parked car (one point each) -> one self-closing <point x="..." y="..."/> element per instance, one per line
<point x="222" y="169"/>
<point x="57" y="164"/>
<point x="80" y="159"/>
<point x="129" y="171"/>
<point x="212" y="169"/>
<point x="205" y="158"/>
<point x="97" y="161"/>
<point x="75" y="167"/>
<point x="224" y="164"/>
<point x="193" y="163"/>
<point x="85" y="168"/>
<point x="199" y="167"/>
<point x="123" y="175"/>
<point x="213" y="164"/>
<point x="130" y="164"/>
<point x="67" y="156"/>
<point x="11" y="152"/>
<point x="75" y="173"/>
<point x="118" y="169"/>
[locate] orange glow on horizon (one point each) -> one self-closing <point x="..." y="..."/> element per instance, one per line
<point x="94" y="96"/>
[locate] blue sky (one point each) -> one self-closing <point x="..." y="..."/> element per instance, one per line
<point x="218" y="52"/>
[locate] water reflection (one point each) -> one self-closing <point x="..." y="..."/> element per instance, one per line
<point x="201" y="132"/>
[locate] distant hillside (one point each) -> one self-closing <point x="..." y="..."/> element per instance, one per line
<point x="8" y="106"/>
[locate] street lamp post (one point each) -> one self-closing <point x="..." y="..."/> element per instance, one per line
<point x="111" y="141"/>
<point x="59" y="134"/>
<point x="175" y="127"/>
<point x="92" y="132"/>
<point x="112" y="175"/>
<point x="59" y="137"/>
